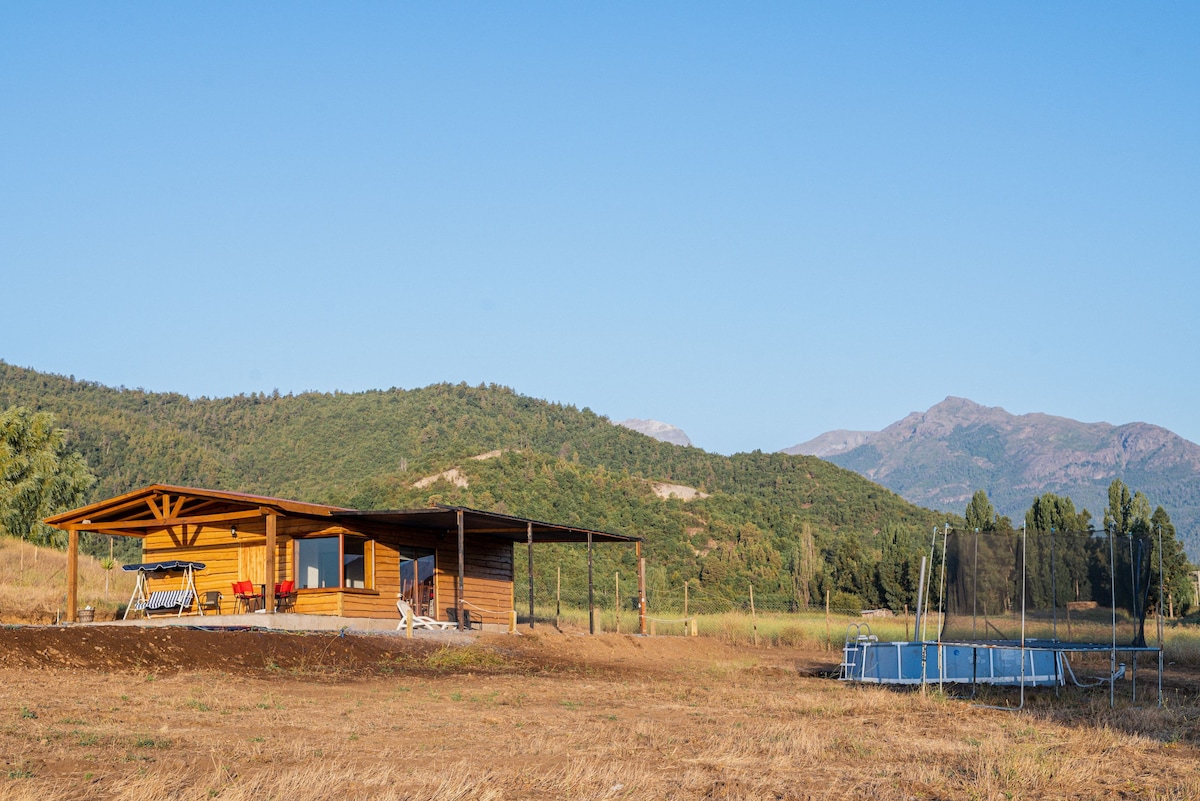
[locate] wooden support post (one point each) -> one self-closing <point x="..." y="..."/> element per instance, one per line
<point x="72" y="575"/>
<point x="529" y="538"/>
<point x="685" y="597"/>
<point x="512" y="622"/>
<point x="558" y="598"/>
<point x="269" y="564"/>
<point x="693" y="627"/>
<point x="432" y="611"/>
<point x="459" y="586"/>
<point x="641" y="591"/>
<point x="591" y="590"/>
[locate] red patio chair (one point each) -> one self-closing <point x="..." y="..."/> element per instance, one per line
<point x="285" y="596"/>
<point x="244" y="596"/>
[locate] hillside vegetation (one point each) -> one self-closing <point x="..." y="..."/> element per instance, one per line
<point x="794" y="526"/>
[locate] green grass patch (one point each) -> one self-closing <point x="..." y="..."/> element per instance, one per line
<point x="459" y="658"/>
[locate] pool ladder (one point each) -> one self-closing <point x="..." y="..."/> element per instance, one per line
<point x="854" y="652"/>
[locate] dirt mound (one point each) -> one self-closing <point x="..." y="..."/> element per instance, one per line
<point x="173" y="649"/>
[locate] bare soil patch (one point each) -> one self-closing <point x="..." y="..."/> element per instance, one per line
<point x="113" y="712"/>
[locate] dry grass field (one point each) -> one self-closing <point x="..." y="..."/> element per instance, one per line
<point x="106" y="712"/>
<point x="33" y="584"/>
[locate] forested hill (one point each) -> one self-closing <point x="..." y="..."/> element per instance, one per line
<point x="796" y="524"/>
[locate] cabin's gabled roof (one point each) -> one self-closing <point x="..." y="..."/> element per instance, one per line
<point x="166" y="502"/>
<point x="157" y="506"/>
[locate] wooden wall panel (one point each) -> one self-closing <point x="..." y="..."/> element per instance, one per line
<point x="359" y="604"/>
<point x="221" y="554"/>
<point x="487" y="578"/>
<point x="387" y="570"/>
<point x="317" y="602"/>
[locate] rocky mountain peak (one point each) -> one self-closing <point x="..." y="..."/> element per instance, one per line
<point x="938" y="458"/>
<point x="663" y="432"/>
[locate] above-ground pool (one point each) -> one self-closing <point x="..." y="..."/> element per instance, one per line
<point x="868" y="660"/>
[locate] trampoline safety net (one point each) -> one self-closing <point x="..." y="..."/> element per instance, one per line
<point x="1078" y="586"/>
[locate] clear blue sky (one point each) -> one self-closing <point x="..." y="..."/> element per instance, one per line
<point x="757" y="222"/>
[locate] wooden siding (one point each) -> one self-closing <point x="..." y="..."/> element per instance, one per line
<point x="488" y="577"/>
<point x="227" y="558"/>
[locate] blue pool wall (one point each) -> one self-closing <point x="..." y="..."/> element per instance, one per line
<point x="900" y="663"/>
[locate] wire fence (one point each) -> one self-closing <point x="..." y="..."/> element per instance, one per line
<point x="615" y="603"/>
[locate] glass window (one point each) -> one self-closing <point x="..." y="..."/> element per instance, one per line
<point x="333" y="562"/>
<point x="317" y="563"/>
<point x="354" y="562"/>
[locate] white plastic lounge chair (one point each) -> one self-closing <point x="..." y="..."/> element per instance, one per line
<point x="420" y="621"/>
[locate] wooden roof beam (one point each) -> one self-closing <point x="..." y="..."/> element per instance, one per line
<point x="167" y="522"/>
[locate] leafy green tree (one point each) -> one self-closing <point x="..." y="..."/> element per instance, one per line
<point x="1176" y="570"/>
<point x="1127" y="513"/>
<point x="980" y="514"/>
<point x="1052" y="513"/>
<point x="1058" y="551"/>
<point x="850" y="568"/>
<point x="898" y="571"/>
<point x="1136" y="531"/>
<point x="39" y="475"/>
<point x="1127" y="519"/>
<point x="803" y="567"/>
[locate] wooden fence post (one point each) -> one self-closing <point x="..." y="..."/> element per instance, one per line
<point x="617" y="590"/>
<point x="753" y="619"/>
<point x="828" y="641"/>
<point x="641" y="590"/>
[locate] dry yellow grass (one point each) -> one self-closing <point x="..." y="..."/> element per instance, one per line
<point x="33" y="584"/>
<point x="555" y="716"/>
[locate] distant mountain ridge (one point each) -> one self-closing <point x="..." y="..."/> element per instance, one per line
<point x="831" y="443"/>
<point x="663" y="432"/>
<point x="938" y="458"/>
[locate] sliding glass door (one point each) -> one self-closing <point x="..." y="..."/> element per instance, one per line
<point x="417" y="583"/>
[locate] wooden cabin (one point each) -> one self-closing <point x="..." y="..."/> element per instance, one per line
<point x="443" y="560"/>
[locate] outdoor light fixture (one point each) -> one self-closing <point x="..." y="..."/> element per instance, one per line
<point x="233" y="532"/>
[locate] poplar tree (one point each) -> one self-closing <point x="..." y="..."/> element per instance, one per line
<point x="1053" y="527"/>
<point x="1129" y="513"/>
<point x="980" y="514"/>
